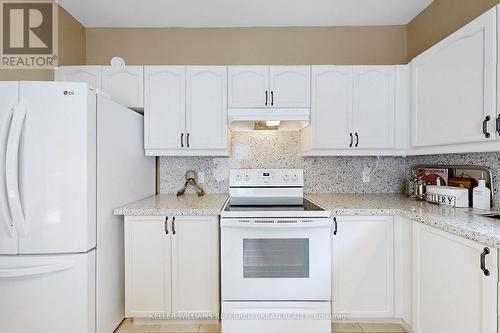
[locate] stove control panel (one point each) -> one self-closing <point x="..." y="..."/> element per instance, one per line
<point x="266" y="177"/>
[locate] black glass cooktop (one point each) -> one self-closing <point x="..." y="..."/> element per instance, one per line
<point x="307" y="206"/>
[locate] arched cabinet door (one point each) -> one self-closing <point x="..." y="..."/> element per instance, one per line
<point x="373" y="106"/>
<point x="453" y="87"/>
<point x="206" y="107"/>
<point x="290" y="86"/>
<point x="164" y="107"/>
<point x="124" y="85"/>
<point x="248" y="86"/>
<point x="87" y="74"/>
<point x="331" y="112"/>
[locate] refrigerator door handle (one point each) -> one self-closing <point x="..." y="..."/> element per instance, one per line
<point x="36" y="270"/>
<point x="12" y="168"/>
<point x="3" y="198"/>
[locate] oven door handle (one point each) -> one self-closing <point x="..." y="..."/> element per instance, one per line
<point x="252" y="225"/>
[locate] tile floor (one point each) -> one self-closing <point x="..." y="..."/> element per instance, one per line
<point x="128" y="327"/>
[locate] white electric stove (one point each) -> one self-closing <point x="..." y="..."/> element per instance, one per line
<point x="275" y="255"/>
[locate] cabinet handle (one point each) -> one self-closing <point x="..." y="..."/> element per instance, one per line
<point x="166" y="225"/>
<point x="187" y="140"/>
<point x="182" y="140"/>
<point x="498" y="124"/>
<point x="483" y="261"/>
<point x="350" y="145"/>
<point x="173" y="225"/>
<point x="272" y="97"/>
<point x="357" y="139"/>
<point x="335" y="228"/>
<point x="485" y="126"/>
<point x="266" y="98"/>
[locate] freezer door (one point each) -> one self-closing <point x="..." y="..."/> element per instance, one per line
<point x="48" y="294"/>
<point x="8" y="101"/>
<point x="57" y="168"/>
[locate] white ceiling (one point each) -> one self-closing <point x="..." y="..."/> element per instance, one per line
<point x="242" y="13"/>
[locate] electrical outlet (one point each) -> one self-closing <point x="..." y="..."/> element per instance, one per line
<point x="366" y="174"/>
<point x="201" y="177"/>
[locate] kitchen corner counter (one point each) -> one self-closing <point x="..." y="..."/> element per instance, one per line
<point x="170" y="204"/>
<point x="462" y="222"/>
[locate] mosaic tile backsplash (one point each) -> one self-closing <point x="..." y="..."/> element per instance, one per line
<point x="273" y="149"/>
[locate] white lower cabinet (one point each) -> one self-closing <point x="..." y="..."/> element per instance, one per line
<point x="451" y="292"/>
<point x="172" y="267"/>
<point x="363" y="267"/>
<point x="195" y="266"/>
<point x="147" y="267"/>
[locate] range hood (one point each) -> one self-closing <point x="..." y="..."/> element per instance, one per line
<point x="248" y="119"/>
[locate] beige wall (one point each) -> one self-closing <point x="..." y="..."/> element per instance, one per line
<point x="71" y="50"/>
<point x="290" y="45"/>
<point x="217" y="46"/>
<point x="440" y="19"/>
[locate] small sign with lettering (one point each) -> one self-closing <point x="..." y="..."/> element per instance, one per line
<point x="441" y="199"/>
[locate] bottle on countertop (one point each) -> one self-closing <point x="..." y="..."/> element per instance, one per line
<point x="481" y="195"/>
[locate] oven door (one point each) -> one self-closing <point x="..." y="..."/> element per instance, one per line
<point x="276" y="259"/>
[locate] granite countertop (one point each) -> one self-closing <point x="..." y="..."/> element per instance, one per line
<point x="170" y="204"/>
<point x="462" y="222"/>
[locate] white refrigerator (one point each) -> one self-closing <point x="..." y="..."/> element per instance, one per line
<point x="68" y="156"/>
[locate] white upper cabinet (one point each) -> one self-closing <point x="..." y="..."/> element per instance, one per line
<point x="373" y="106"/>
<point x="451" y="291"/>
<point x="354" y="111"/>
<point x="185" y="111"/>
<point x="290" y="86"/>
<point x="124" y="85"/>
<point x="454" y="87"/>
<point x="269" y="86"/>
<point x="88" y="74"/>
<point x="164" y="105"/>
<point x="331" y="106"/>
<point x="206" y="107"/>
<point x="497" y="121"/>
<point x="248" y="86"/>
<point x="363" y="267"/>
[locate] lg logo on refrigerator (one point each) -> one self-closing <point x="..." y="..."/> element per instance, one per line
<point x="29" y="34"/>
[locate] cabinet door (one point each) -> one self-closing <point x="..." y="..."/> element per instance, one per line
<point x="331" y="113"/>
<point x="373" y="112"/>
<point x="363" y="267"/>
<point x="124" y="85"/>
<point x="450" y="291"/>
<point x="147" y="267"/>
<point x="248" y="86"/>
<point x="164" y="106"/>
<point x="88" y="74"/>
<point x="195" y="265"/>
<point x="497" y="120"/>
<point x="206" y="107"/>
<point x="453" y="88"/>
<point x="290" y="86"/>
